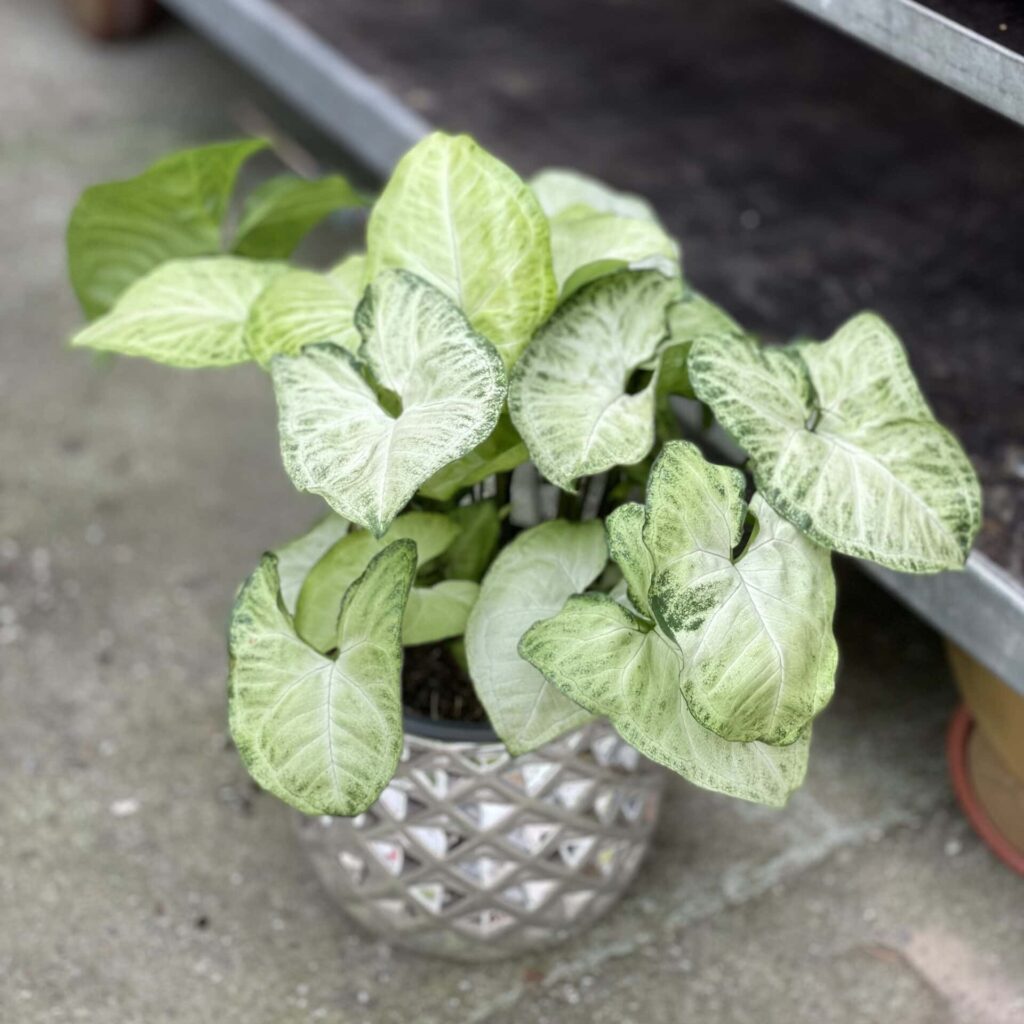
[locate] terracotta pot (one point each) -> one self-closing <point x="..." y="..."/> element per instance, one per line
<point x="114" y="19"/>
<point x="985" y="749"/>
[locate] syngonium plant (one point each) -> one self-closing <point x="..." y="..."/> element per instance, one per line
<point x="493" y="323"/>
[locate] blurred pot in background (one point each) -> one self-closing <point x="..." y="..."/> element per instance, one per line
<point x="986" y="757"/>
<point x="114" y="19"/>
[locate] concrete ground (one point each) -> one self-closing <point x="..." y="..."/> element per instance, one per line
<point x="143" y="881"/>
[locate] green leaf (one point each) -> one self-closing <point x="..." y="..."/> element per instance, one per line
<point x="529" y="580"/>
<point x="616" y="666"/>
<point x="326" y="583"/>
<point x="296" y="558"/>
<point x="462" y="220"/>
<point x="303" y="307"/>
<point x="558" y="189"/>
<point x="438" y="612"/>
<point x="187" y="313"/>
<point x="338" y="442"/>
<point x="502" y="451"/>
<point x="280" y="212"/>
<point x="754" y="629"/>
<point x="587" y="245"/>
<point x="626" y="546"/>
<point x="470" y="553"/>
<point x="323" y="734"/>
<point x="843" y="444"/>
<point x="569" y="395"/>
<point x="121" y="230"/>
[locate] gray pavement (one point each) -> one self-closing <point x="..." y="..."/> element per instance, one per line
<point x="143" y="881"/>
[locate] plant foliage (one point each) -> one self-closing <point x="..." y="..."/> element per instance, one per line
<point x="493" y="322"/>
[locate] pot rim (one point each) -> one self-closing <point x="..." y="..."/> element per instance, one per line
<point x="448" y="731"/>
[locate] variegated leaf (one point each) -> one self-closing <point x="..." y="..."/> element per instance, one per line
<point x="296" y="558"/>
<point x="558" y="189"/>
<point x="460" y="219"/>
<point x="337" y="440"/>
<point x="121" y="230"/>
<point x="303" y="307"/>
<point x="323" y="734"/>
<point x="843" y="444"/>
<point x="754" y="628"/>
<point x="569" y="396"/>
<point x="325" y="584"/>
<point x="529" y="580"/>
<point x="587" y="245"/>
<point x="187" y="313"/>
<point x="612" y="663"/>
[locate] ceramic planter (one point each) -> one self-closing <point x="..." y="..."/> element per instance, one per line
<point x="473" y="854"/>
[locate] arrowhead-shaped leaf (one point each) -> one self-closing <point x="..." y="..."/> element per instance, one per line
<point x="587" y="245"/>
<point x="337" y="440"/>
<point x="322" y="734"/>
<point x="122" y="230"/>
<point x="460" y="219"/>
<point x="303" y="307"/>
<point x="569" y="393"/>
<point x="296" y="558"/>
<point x="187" y="313"/>
<point x="616" y="666"/>
<point x="529" y="580"/>
<point x="754" y="629"/>
<point x="559" y="189"/>
<point x="327" y="581"/>
<point x="596" y="230"/>
<point x="843" y="444"/>
<point x="280" y="212"/>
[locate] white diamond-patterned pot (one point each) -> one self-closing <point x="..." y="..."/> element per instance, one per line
<point x="473" y="854"/>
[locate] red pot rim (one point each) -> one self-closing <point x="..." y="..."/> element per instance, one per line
<point x="960" y="728"/>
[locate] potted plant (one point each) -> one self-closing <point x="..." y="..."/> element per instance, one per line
<point x="530" y="591"/>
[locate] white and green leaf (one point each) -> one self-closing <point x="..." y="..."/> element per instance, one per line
<point x="303" y="307"/>
<point x="754" y="628"/>
<point x="558" y="189"/>
<point x="120" y="231"/>
<point x="843" y="444"/>
<point x="281" y="211"/>
<point x="322" y="734"/>
<point x="186" y="313"/>
<point x="337" y="440"/>
<point x="587" y="244"/>
<point x="529" y="580"/>
<point x="604" y="658"/>
<point x="463" y="221"/>
<point x="569" y="394"/>
<point x="327" y="581"/>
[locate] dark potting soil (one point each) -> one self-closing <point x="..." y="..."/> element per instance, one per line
<point x="435" y="686"/>
<point x="807" y="176"/>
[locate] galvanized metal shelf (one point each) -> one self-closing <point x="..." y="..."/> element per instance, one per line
<point x="807" y="178"/>
<point x="970" y="45"/>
